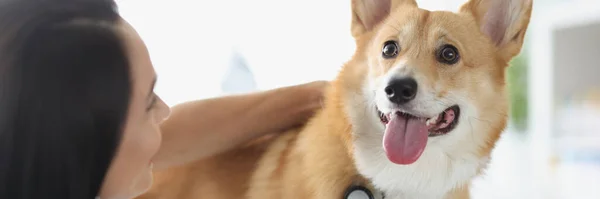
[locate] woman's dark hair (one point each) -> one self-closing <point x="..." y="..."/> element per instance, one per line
<point x="64" y="95"/>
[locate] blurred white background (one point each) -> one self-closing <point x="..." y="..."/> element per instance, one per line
<point x="204" y="49"/>
<point x="283" y="42"/>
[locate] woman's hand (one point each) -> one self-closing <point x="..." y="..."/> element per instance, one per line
<point x="202" y="128"/>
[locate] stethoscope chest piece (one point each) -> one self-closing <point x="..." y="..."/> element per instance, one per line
<point x="358" y="192"/>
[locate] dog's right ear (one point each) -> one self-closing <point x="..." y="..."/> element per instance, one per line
<point x="367" y="14"/>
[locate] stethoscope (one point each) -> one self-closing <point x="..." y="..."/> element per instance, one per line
<point x="359" y="192"/>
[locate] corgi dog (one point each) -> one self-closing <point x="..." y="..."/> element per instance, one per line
<point x="414" y="114"/>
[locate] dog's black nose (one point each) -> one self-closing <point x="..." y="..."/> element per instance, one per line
<point x="401" y="91"/>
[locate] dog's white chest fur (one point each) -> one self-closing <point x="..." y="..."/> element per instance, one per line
<point x="432" y="176"/>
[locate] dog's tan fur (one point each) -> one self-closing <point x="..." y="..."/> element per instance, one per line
<point x="323" y="158"/>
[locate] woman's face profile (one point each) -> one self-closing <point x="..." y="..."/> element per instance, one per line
<point x="130" y="173"/>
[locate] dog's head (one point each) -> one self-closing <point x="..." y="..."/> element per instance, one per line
<point x="425" y="90"/>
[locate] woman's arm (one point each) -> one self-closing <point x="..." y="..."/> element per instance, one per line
<point x="202" y="128"/>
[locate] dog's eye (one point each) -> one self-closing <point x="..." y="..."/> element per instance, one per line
<point x="448" y="54"/>
<point x="390" y="49"/>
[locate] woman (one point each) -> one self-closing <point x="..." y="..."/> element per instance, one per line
<point x="78" y="115"/>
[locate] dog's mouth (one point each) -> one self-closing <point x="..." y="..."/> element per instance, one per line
<point x="406" y="135"/>
<point x="441" y="124"/>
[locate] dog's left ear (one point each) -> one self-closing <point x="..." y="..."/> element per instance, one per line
<point x="503" y="21"/>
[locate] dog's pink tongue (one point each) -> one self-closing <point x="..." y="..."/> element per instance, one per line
<point x="405" y="139"/>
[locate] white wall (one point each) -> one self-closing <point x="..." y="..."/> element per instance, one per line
<point x="285" y="42"/>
